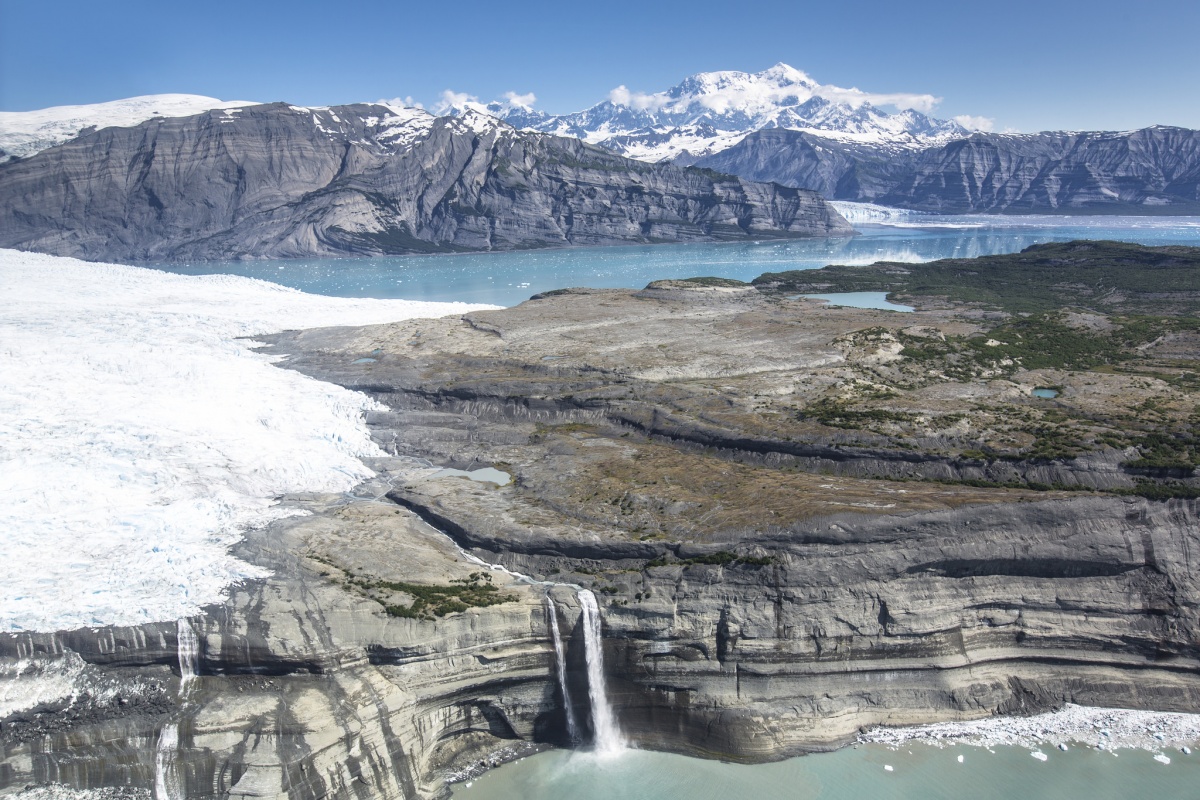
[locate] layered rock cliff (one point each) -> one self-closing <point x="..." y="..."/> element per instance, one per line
<point x="777" y="575"/>
<point x="299" y="686"/>
<point x="276" y="181"/>
<point x="1153" y="170"/>
<point x="800" y="521"/>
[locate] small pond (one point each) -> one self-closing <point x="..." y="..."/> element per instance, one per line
<point x="876" y="300"/>
<point x="484" y="475"/>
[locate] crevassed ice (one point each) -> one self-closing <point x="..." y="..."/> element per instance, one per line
<point x="138" y="438"/>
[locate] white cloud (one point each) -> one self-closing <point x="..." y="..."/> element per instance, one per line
<point x="520" y="100"/>
<point x="451" y="100"/>
<point x="975" y="123"/>
<point x="924" y="103"/>
<point x="405" y="102"/>
<point x="621" y="96"/>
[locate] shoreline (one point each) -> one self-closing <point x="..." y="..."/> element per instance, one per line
<point x="1100" y="728"/>
<point x="1103" y="729"/>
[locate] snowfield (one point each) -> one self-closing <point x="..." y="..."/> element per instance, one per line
<point x="23" y="133"/>
<point x="138" y="439"/>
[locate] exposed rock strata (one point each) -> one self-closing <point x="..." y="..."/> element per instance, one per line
<point x="633" y="422"/>
<point x="770" y="585"/>
<point x="1153" y="170"/>
<point x="275" y="181"/>
<point x="306" y="687"/>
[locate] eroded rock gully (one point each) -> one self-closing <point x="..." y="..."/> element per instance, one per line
<point x="769" y="585"/>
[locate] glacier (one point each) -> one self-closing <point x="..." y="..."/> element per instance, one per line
<point x="141" y="434"/>
<point x="23" y="133"/>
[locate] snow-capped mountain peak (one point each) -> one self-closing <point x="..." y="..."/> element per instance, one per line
<point x="710" y="111"/>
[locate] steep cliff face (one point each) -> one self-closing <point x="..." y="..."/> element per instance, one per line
<point x="299" y="686"/>
<point x="771" y="586"/>
<point x="798" y="519"/>
<point x="838" y="170"/>
<point x="278" y="181"/>
<point x="1154" y="170"/>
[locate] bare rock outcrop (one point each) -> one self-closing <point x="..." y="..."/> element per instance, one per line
<point x="276" y="181"/>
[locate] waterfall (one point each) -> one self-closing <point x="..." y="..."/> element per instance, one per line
<point x="606" y="735"/>
<point x="189" y="654"/>
<point x="168" y="783"/>
<point x="560" y="660"/>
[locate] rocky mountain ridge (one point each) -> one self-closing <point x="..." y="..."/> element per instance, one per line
<point x="781" y="126"/>
<point x="710" y="111"/>
<point x="282" y="181"/>
<point x="1153" y="170"/>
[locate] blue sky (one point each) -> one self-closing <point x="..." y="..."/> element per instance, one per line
<point x="1026" y="65"/>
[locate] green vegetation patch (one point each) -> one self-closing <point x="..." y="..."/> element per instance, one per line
<point x="728" y="283"/>
<point x="430" y="601"/>
<point x="1167" y="451"/>
<point x="1048" y="340"/>
<point x="838" y="414"/>
<point x="1113" y="277"/>
<point x="1162" y="491"/>
<point x="720" y="558"/>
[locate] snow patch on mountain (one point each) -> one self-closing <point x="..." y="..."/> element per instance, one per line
<point x="140" y="436"/>
<point x="23" y="133"/>
<point x="402" y="126"/>
<point x="394" y="124"/>
<point x="712" y="111"/>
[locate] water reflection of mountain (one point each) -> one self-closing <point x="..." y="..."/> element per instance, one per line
<point x="509" y="278"/>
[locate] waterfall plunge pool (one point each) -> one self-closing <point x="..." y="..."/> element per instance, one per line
<point x="917" y="771"/>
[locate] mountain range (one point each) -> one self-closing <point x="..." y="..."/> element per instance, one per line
<point x="721" y="155"/>
<point x="276" y="180"/>
<point x="781" y="126"/>
<point x="711" y="111"/>
<point x="1149" y="171"/>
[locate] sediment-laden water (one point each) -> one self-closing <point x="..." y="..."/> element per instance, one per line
<point x="510" y="278"/>
<point x="920" y="771"/>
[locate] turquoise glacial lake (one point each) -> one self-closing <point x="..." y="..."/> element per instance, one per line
<point x="919" y="772"/>
<point x="510" y="278"/>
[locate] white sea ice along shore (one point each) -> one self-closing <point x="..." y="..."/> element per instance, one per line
<point x="1106" y="728"/>
<point x="138" y="438"/>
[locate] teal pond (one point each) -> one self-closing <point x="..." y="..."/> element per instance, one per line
<point x="918" y="772"/>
